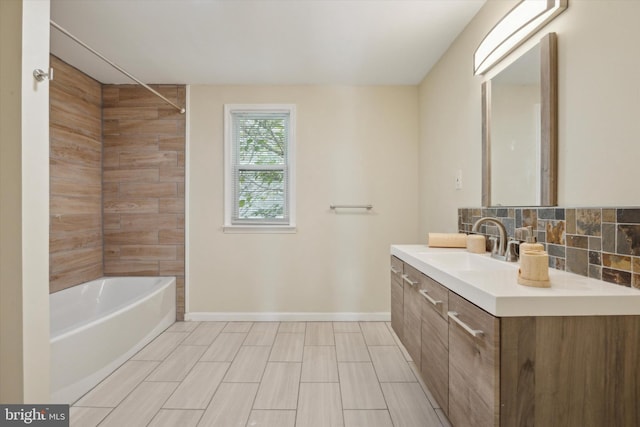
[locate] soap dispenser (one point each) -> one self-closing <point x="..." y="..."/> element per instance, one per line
<point x="530" y="243"/>
<point x="534" y="264"/>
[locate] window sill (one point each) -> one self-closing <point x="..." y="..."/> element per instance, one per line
<point x="260" y="229"/>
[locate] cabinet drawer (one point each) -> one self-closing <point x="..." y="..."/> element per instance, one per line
<point x="435" y="297"/>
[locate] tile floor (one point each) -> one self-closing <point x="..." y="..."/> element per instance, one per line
<point x="262" y="374"/>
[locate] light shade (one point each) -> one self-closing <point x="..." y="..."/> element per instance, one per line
<point x="518" y="25"/>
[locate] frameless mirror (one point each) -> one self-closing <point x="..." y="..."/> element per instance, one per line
<point x="519" y="137"/>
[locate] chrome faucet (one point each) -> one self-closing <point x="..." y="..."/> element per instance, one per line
<point x="502" y="244"/>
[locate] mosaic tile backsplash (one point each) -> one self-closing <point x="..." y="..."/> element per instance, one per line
<point x="603" y="243"/>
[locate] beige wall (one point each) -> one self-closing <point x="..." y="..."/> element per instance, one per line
<point x="599" y="100"/>
<point x="354" y="145"/>
<point x="11" y="386"/>
<point x="24" y="189"/>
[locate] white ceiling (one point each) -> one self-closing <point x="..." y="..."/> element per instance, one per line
<point x="354" y="42"/>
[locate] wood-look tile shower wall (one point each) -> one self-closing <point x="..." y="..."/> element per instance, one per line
<point x="143" y="183"/>
<point x="75" y="161"/>
<point x="117" y="168"/>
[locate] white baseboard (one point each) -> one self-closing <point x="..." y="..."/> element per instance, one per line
<point x="295" y="317"/>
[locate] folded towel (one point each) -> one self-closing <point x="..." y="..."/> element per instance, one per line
<point x="447" y="240"/>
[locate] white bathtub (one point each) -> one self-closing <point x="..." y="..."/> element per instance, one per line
<point x="97" y="326"/>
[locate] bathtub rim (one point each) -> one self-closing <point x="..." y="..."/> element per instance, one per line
<point x="66" y="332"/>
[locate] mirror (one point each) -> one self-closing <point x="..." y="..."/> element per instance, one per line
<point x="519" y="135"/>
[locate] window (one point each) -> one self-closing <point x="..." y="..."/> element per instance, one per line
<point x="259" y="168"/>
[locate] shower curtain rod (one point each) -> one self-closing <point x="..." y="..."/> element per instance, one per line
<point x="117" y="67"/>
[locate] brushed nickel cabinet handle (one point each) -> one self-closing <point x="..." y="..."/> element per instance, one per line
<point x="394" y="271"/>
<point x="474" y="332"/>
<point x="428" y="298"/>
<point x="405" y="277"/>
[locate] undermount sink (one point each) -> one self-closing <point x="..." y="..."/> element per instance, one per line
<point x="464" y="261"/>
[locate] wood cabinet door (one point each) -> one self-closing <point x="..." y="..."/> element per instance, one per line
<point x="412" y="328"/>
<point x="397" y="297"/>
<point x="434" y="360"/>
<point x="474" y="365"/>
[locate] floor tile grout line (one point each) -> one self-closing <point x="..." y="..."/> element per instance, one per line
<point x="151" y="342"/>
<point x="214" y="338"/>
<point x="163" y="403"/>
<point x="249" y="333"/>
<point x="216" y="390"/>
<point x="304" y="340"/>
<point x="165" y="409"/>
<point x="396" y="338"/>
<point x="131" y="391"/>
<point x="320" y="345"/>
<point x="431" y="402"/>
<point x="102" y="420"/>
<point x="339" y="381"/>
<point x="169" y="355"/>
<point x="92" y="407"/>
<point x="274" y="343"/>
<point x="295" y="421"/>
<point x="305" y="327"/>
<point x="375" y="371"/>
<point x="260" y="383"/>
<point x="181" y="409"/>
<point x="74" y="404"/>
<point x="197" y="323"/>
<point x="263" y="369"/>
<point x="253" y="402"/>
<point x="213" y="342"/>
<point x="416" y="374"/>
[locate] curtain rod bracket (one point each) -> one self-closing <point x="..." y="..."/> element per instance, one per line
<point x="40" y="75"/>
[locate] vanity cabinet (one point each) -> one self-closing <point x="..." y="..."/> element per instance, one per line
<point x="542" y="371"/>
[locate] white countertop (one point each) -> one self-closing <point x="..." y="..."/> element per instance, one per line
<point x="497" y="291"/>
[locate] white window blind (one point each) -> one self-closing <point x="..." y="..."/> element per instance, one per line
<point x="259" y="158"/>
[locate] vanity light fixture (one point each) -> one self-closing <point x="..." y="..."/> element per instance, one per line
<point x="513" y="29"/>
